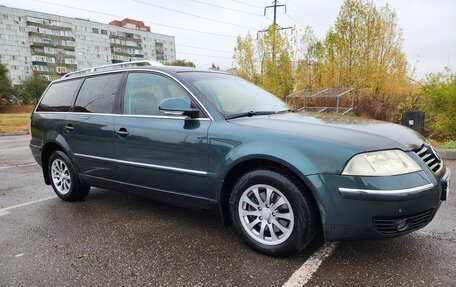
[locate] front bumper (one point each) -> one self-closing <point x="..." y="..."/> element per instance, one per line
<point x="355" y="208"/>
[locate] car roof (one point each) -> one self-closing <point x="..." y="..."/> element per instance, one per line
<point x="165" y="69"/>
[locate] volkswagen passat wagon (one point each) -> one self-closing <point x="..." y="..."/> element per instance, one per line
<point x="210" y="140"/>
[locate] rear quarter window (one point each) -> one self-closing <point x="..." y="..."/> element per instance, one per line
<point x="59" y="96"/>
<point x="98" y="94"/>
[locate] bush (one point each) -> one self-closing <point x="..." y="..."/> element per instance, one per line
<point x="3" y="101"/>
<point x="438" y="100"/>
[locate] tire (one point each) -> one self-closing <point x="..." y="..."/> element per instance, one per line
<point x="288" y="205"/>
<point x="64" y="179"/>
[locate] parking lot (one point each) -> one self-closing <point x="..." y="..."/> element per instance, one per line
<point x="115" y="239"/>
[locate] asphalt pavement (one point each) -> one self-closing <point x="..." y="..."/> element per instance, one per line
<point x="116" y="239"/>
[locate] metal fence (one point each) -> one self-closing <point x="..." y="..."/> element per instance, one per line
<point x="340" y="100"/>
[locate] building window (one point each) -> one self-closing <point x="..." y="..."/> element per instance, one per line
<point x="95" y="30"/>
<point x="104" y="32"/>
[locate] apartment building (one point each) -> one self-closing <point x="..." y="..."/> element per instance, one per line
<point x="35" y="43"/>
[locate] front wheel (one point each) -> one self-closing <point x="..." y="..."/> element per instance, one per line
<point x="272" y="214"/>
<point x="64" y="180"/>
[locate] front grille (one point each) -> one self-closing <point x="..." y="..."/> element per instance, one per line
<point x="429" y="156"/>
<point x="396" y="226"/>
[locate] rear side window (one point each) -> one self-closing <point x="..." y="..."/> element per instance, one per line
<point x="59" y="96"/>
<point x="97" y="94"/>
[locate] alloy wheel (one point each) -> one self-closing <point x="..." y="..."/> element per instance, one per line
<point x="266" y="214"/>
<point x="61" y="176"/>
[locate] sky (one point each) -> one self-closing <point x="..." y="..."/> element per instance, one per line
<point x="428" y="26"/>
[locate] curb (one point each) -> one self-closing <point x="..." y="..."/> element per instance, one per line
<point x="14" y="134"/>
<point x="447" y="153"/>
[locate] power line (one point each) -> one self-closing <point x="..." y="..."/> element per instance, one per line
<point x="193" y="15"/>
<point x="294" y="19"/>
<point x="226" y="8"/>
<point x="207" y="49"/>
<point x="206" y="56"/>
<point x="149" y="22"/>
<point x="248" y="4"/>
<point x="305" y="10"/>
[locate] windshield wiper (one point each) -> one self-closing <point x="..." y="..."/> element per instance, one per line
<point x="285" y="111"/>
<point x="255" y="113"/>
<point x="250" y="114"/>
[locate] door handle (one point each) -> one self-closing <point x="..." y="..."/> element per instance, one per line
<point x="122" y="132"/>
<point x="69" y="128"/>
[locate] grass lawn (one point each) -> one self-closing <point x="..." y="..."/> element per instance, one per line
<point x="14" y="122"/>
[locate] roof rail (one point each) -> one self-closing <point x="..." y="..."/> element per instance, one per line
<point x="114" y="67"/>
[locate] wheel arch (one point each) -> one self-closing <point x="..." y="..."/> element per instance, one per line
<point x="243" y="166"/>
<point x="50" y="146"/>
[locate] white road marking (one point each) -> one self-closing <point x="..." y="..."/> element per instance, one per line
<point x="18" y="165"/>
<point x="14" y="141"/>
<point x="14" y="148"/>
<point x="301" y="276"/>
<point x="5" y="211"/>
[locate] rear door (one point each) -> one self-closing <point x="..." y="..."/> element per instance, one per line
<point x="161" y="155"/>
<point x="89" y="128"/>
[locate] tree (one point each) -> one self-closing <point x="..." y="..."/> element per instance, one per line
<point x="183" y="63"/>
<point x="278" y="74"/>
<point x="311" y="62"/>
<point x="31" y="90"/>
<point x="6" y="87"/>
<point x="266" y="62"/>
<point x="364" y="51"/>
<point x="245" y="59"/>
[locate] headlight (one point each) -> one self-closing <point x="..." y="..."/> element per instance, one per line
<point x="381" y="163"/>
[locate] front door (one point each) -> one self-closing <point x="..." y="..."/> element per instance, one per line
<point x="164" y="156"/>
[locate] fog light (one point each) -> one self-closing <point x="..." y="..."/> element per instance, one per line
<point x="402" y="225"/>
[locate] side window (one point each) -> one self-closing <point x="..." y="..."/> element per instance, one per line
<point x="59" y="97"/>
<point x="144" y="92"/>
<point x="97" y="94"/>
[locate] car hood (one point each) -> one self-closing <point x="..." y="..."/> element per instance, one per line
<point x="366" y="134"/>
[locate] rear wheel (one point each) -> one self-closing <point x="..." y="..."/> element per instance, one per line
<point x="63" y="178"/>
<point x="272" y="214"/>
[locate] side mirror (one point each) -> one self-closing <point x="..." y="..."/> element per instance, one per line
<point x="178" y="106"/>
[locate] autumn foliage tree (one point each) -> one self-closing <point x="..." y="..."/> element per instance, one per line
<point x="266" y="62"/>
<point x="362" y="50"/>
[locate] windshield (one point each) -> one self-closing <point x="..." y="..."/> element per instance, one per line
<point x="233" y="96"/>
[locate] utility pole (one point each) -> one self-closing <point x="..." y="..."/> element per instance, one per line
<point x="274" y="5"/>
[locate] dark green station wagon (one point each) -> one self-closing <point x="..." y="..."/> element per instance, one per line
<point x="210" y="140"/>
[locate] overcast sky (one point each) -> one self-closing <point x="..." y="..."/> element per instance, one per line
<point x="428" y="26"/>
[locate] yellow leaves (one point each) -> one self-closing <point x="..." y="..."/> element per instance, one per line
<point x="362" y="50"/>
<point x="266" y="62"/>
